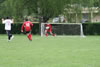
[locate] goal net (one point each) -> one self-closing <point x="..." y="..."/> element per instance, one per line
<point x="64" y="29"/>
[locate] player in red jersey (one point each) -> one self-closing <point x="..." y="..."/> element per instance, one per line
<point x="48" y="29"/>
<point x="27" y="25"/>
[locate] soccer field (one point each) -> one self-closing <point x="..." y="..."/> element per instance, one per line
<point x="50" y="51"/>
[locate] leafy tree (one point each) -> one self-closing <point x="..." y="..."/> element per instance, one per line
<point x="43" y="8"/>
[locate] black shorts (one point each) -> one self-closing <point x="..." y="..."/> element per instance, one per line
<point x="27" y="32"/>
<point x="8" y="31"/>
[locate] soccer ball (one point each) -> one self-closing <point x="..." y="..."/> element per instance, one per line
<point x="47" y="27"/>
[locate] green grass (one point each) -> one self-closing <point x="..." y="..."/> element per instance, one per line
<point x="50" y="51"/>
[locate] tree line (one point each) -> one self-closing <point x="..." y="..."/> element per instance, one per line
<point x="19" y="9"/>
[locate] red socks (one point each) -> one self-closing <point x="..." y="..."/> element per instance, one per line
<point x="46" y="34"/>
<point x="29" y="36"/>
<point x="53" y="34"/>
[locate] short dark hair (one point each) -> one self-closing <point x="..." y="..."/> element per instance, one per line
<point x="26" y="19"/>
<point x="45" y="19"/>
<point x="7" y="17"/>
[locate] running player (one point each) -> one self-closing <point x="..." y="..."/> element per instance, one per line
<point x="8" y="23"/>
<point x="27" y="25"/>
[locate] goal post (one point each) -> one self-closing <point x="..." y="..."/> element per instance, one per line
<point x="63" y="29"/>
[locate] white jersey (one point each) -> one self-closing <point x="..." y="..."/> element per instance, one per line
<point x="7" y="23"/>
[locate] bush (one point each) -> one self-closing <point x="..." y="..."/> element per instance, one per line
<point x="88" y="28"/>
<point x="91" y="28"/>
<point x="16" y="28"/>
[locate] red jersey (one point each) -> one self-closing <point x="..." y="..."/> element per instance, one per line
<point x="27" y="25"/>
<point x="48" y="27"/>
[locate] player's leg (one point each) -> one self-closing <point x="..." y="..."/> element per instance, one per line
<point x="10" y="36"/>
<point x="46" y="32"/>
<point x="29" y="35"/>
<point x="51" y="32"/>
<point x="30" y="38"/>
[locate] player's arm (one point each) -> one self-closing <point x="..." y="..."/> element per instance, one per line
<point x="22" y="28"/>
<point x="13" y="21"/>
<point x="31" y="24"/>
<point x="2" y="21"/>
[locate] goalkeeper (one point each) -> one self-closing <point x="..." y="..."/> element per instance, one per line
<point x="48" y="28"/>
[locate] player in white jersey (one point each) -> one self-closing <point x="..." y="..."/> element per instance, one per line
<point x="8" y="23"/>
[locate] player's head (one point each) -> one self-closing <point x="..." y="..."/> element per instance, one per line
<point x="26" y="19"/>
<point x="45" y="19"/>
<point x="7" y="17"/>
